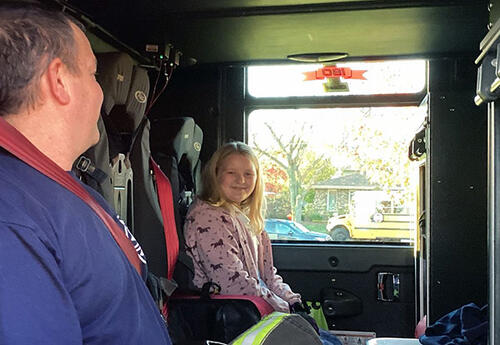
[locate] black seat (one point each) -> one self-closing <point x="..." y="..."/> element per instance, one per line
<point x="195" y="159"/>
<point x="126" y="141"/>
<point x="114" y="76"/>
<point x="176" y="145"/>
<point x="171" y="143"/>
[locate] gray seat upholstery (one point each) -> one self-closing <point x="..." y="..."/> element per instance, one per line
<point x="114" y="76"/>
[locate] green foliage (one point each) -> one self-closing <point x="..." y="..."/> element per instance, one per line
<point x="309" y="197"/>
<point x="303" y="166"/>
<point x="278" y="206"/>
<point x="316" y="209"/>
<point x="378" y="156"/>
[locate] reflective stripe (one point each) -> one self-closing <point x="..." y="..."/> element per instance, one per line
<point x="257" y="334"/>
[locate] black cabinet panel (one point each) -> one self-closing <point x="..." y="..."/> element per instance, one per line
<point x="309" y="270"/>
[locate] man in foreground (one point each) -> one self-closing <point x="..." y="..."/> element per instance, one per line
<point x="63" y="278"/>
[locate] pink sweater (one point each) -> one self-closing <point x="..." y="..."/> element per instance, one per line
<point x="223" y="252"/>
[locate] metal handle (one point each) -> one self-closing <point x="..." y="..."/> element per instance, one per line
<point x="388" y="285"/>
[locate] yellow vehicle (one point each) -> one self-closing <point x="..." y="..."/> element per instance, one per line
<point x="372" y="217"/>
<point x="391" y="226"/>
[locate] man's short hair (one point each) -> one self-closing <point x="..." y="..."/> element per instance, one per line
<point x="31" y="36"/>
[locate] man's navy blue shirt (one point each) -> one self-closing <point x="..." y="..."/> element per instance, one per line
<point x="63" y="278"/>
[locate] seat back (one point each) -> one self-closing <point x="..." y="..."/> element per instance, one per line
<point x="148" y="224"/>
<point x="190" y="170"/>
<point x="130" y="132"/>
<point x="124" y="122"/>
<point x="195" y="159"/>
<point x="114" y="76"/>
<point x="117" y="79"/>
<point x="126" y="141"/>
<point x="171" y="143"/>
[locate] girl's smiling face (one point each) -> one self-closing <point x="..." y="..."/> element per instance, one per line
<point x="237" y="177"/>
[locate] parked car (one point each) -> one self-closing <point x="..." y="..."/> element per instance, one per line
<point x="283" y="229"/>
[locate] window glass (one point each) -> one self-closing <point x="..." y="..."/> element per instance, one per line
<point x="381" y="77"/>
<point x="339" y="173"/>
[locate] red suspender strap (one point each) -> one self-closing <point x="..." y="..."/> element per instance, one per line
<point x="165" y="197"/>
<point x="14" y="142"/>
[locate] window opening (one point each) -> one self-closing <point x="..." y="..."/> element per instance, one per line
<point x="339" y="174"/>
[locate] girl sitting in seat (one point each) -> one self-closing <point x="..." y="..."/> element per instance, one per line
<point x="224" y="230"/>
<point x="225" y="237"/>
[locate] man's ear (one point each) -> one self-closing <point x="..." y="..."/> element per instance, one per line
<point x="57" y="75"/>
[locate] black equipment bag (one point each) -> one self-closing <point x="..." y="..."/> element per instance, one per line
<point x="215" y="319"/>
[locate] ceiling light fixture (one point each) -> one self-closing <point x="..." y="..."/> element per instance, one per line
<point x="317" y="57"/>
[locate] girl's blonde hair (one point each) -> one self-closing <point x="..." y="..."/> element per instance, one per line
<point x="254" y="205"/>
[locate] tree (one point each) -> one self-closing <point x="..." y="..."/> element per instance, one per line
<point x="382" y="157"/>
<point x="276" y="187"/>
<point x="302" y="166"/>
<point x="275" y="177"/>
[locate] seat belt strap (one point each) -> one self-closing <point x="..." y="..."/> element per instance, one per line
<point x="18" y="145"/>
<point x="165" y="198"/>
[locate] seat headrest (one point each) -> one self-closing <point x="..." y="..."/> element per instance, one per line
<point x="137" y="98"/>
<point x="125" y="119"/>
<point x="114" y="76"/>
<point x="172" y="136"/>
<point x="193" y="155"/>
